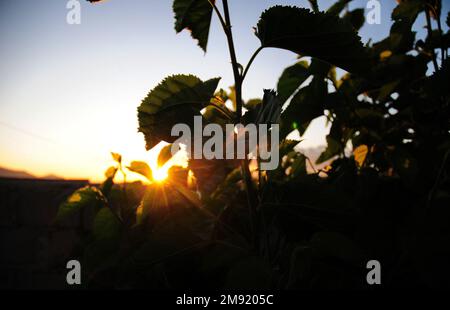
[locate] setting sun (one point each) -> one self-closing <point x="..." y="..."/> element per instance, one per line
<point x="161" y="173"/>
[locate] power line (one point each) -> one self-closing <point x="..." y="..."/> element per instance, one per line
<point x="29" y="133"/>
<point x="53" y="142"/>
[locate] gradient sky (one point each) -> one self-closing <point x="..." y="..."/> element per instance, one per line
<point x="69" y="93"/>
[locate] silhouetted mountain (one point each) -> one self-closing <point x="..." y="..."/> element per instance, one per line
<point x="7" y="173"/>
<point x="17" y="174"/>
<point x="52" y="177"/>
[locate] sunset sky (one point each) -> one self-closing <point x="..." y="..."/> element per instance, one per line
<point x="69" y="93"/>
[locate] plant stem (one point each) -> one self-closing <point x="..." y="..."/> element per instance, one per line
<point x="219" y="15"/>
<point x="249" y="186"/>
<point x="430" y="33"/>
<point x="237" y="76"/>
<point x="437" y="14"/>
<point x="443" y="49"/>
<point x="244" y="74"/>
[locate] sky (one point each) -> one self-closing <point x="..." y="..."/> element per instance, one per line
<point x="69" y="93"/>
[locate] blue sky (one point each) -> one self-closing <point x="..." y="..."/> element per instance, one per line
<point x="69" y="93"/>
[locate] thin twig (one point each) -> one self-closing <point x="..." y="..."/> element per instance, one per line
<point x="219" y="15"/>
<point x="438" y="20"/>
<point x="244" y="74"/>
<point x="430" y="33"/>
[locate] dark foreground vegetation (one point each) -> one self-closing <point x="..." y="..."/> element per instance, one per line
<point x="227" y="224"/>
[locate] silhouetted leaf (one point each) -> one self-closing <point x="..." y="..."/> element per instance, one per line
<point x="228" y="184"/>
<point x="194" y="15"/>
<point x="333" y="149"/>
<point x="165" y="155"/>
<point x="387" y="90"/>
<point x="336" y="141"/>
<point x="296" y="164"/>
<point x="408" y="10"/>
<point x="306" y="105"/>
<point x="314" y="5"/>
<point x="175" y="100"/>
<point x="189" y="195"/>
<point x="401" y="37"/>
<point x="337" y="7"/>
<point x="252" y="103"/>
<point x="320" y="35"/>
<point x="269" y="111"/>
<point x="356" y="18"/>
<point x="153" y="205"/>
<point x="291" y="79"/>
<point x="110" y="174"/>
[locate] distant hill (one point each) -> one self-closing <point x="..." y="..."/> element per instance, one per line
<point x="52" y="177"/>
<point x="7" y="173"/>
<point x="17" y="174"/>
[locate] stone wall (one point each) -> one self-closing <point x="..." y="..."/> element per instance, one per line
<point x="33" y="250"/>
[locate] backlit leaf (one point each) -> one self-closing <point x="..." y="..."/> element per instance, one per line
<point x="360" y="154"/>
<point x="88" y="196"/>
<point x="108" y="183"/>
<point x="117" y="157"/>
<point x="142" y="168"/>
<point x="106" y="225"/>
<point x="164" y="155"/>
<point x="385" y="55"/>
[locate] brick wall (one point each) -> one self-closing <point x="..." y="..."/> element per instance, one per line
<point x="33" y="250"/>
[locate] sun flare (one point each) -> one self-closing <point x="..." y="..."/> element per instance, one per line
<point x="161" y="173"/>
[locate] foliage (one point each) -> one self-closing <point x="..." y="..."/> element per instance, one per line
<point x="176" y="100"/>
<point x="320" y="35"/>
<point x="194" y="15"/>
<point x="223" y="223"/>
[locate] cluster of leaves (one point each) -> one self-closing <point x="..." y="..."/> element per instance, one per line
<point x="219" y="224"/>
